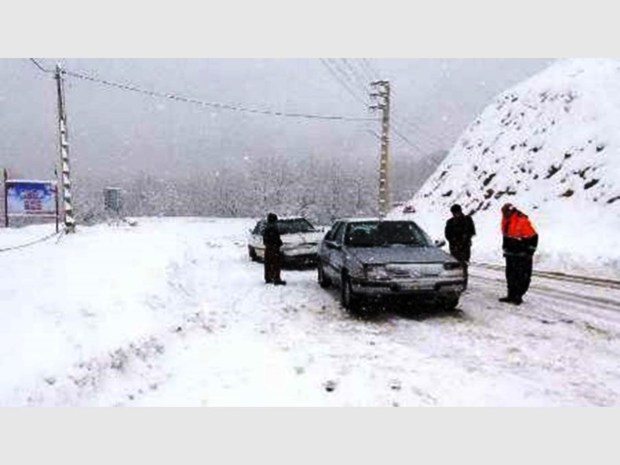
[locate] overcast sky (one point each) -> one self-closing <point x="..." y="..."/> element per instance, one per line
<point x="118" y="133"/>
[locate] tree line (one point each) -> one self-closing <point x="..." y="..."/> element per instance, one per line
<point x="318" y="187"/>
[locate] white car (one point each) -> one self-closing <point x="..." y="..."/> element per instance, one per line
<point x="299" y="237"/>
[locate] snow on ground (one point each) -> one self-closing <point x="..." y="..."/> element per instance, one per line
<point x="550" y="146"/>
<point x="171" y="312"/>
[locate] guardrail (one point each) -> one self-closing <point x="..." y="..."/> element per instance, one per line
<point x="601" y="282"/>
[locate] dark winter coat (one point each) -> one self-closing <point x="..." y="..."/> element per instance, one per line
<point x="271" y="236"/>
<point x="459" y="231"/>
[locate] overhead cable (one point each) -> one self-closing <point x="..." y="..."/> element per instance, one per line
<point x="38" y="65"/>
<point x="221" y="106"/>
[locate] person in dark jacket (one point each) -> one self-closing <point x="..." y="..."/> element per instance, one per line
<point x="272" y="242"/>
<point x="520" y="240"/>
<point x="459" y="231"/>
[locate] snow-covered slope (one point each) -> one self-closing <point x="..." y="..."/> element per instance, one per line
<point x="551" y="146"/>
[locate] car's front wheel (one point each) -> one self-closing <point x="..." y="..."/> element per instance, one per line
<point x="348" y="298"/>
<point x="252" y="253"/>
<point x="324" y="281"/>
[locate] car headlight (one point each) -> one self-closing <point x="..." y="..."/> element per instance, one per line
<point x="377" y="272"/>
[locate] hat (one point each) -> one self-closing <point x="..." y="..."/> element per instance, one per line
<point x="272" y="218"/>
<point x="456" y="208"/>
<point x="507" y="208"/>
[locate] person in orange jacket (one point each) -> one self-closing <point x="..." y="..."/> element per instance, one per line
<point x="520" y="240"/>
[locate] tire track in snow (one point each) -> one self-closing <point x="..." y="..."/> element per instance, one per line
<point x="561" y="305"/>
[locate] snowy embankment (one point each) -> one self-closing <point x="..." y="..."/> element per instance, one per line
<point x="80" y="310"/>
<point x="550" y="146"/>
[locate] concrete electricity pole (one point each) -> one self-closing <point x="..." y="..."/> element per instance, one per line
<point x="383" y="103"/>
<point x="65" y="181"/>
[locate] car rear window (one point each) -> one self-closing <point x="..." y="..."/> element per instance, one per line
<point x="295" y="226"/>
<point x="292" y="226"/>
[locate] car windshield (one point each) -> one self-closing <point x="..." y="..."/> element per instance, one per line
<point x="386" y="233"/>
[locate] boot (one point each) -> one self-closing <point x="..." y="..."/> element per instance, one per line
<point x="280" y="282"/>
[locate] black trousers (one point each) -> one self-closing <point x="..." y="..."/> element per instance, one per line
<point x="518" y="274"/>
<point x="272" y="264"/>
<point x="462" y="253"/>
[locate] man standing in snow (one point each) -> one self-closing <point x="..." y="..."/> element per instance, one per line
<point x="272" y="242"/>
<point x="459" y="231"/>
<point x="520" y="240"/>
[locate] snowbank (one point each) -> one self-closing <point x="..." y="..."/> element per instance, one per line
<point x="90" y="304"/>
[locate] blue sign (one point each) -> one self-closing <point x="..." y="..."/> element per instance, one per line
<point x="31" y="197"/>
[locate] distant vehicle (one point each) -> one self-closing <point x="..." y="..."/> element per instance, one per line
<point x="409" y="209"/>
<point x="299" y="236"/>
<point x="381" y="258"/>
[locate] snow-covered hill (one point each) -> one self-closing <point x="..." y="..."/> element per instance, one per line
<point x="551" y="146"/>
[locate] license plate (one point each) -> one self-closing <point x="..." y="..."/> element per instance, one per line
<point x="417" y="287"/>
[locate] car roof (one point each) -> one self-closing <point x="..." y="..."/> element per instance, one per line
<point x="362" y="220"/>
<point x="286" y="218"/>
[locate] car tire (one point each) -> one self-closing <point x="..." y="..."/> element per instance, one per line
<point x="252" y="253"/>
<point x="348" y="299"/>
<point x="449" y="304"/>
<point x="324" y="281"/>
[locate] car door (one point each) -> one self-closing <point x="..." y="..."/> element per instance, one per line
<point x="323" y="250"/>
<point x="336" y="253"/>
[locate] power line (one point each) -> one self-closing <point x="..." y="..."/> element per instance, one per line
<point x="417" y="131"/>
<point x="333" y="73"/>
<point x="373" y="73"/>
<point x="38" y="65"/>
<point x="406" y="139"/>
<point x="413" y="126"/>
<point x="221" y="106"/>
<point x="355" y="84"/>
<point x="363" y="71"/>
<point x="360" y="79"/>
<point x="28" y="244"/>
<point x="406" y="124"/>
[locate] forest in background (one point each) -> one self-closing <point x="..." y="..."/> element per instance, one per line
<point x="318" y="188"/>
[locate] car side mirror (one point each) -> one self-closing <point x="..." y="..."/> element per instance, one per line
<point x="440" y="243"/>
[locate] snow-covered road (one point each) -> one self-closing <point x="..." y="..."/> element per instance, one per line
<point x="199" y="327"/>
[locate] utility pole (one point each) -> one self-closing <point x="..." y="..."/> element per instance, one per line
<point x="383" y="103"/>
<point x="6" y="200"/>
<point x="65" y="181"/>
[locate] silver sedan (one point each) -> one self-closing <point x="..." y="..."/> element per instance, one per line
<point x="380" y="258"/>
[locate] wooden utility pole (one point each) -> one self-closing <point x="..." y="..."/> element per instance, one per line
<point x="65" y="181"/>
<point x="6" y="199"/>
<point x="383" y="103"/>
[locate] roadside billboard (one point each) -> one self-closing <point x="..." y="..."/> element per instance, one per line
<point x="26" y="198"/>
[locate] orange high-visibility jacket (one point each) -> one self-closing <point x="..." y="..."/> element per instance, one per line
<point x="517" y="225"/>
